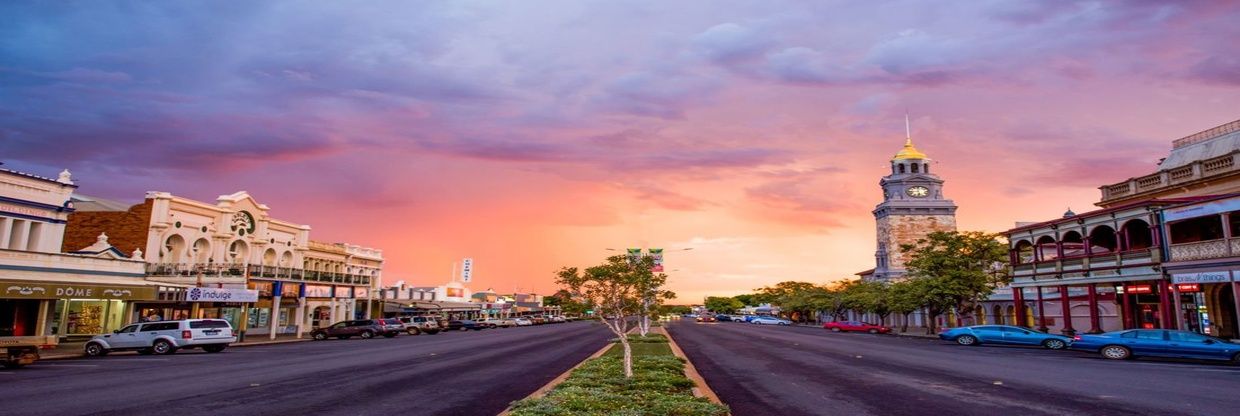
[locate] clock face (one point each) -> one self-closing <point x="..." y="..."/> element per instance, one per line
<point x="243" y="221"/>
<point x="918" y="192"/>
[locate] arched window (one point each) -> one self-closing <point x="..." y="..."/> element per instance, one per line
<point x="916" y="168"/>
<point x="1024" y="252"/>
<point x="901" y="168"/>
<point x="1139" y="236"/>
<point x="1102" y="240"/>
<point x="1073" y="245"/>
<point x="1046" y="248"/>
<point x="925" y="168"/>
<point x="174" y="249"/>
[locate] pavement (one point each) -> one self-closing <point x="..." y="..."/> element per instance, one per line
<point x="769" y="370"/>
<point x="451" y="373"/>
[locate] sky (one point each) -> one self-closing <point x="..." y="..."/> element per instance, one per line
<point x="534" y="135"/>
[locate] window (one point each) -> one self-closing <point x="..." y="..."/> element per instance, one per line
<point x="1156" y="335"/>
<point x="1129" y="334"/>
<point x="209" y="324"/>
<point x="1014" y="329"/>
<point x="161" y="326"/>
<point x="1187" y="337"/>
<point x="916" y="167"/>
<point x="901" y="168"/>
<point x="128" y="329"/>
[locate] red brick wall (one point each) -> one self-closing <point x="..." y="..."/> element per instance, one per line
<point x="126" y="230"/>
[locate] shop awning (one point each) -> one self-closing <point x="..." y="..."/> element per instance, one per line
<point x="397" y="306"/>
<point x="80" y="286"/>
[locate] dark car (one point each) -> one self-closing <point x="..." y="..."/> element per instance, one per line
<point x="706" y="318"/>
<point x="1120" y="345"/>
<point x="464" y="324"/>
<point x="723" y="318"/>
<point x="392" y="327"/>
<point x="365" y="328"/>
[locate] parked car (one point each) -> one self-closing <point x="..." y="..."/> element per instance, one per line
<point x="854" y="326"/>
<point x="164" y="337"/>
<point x="392" y="327"/>
<point x="767" y="320"/>
<point x="365" y="328"/>
<point x="723" y="318"/>
<point x="1004" y="335"/>
<point x="1120" y="345"/>
<point x="523" y="322"/>
<point x="464" y="324"/>
<point x="489" y="323"/>
<point x="706" y="318"/>
<point x="558" y="319"/>
<point x="538" y="320"/>
<point x="415" y="325"/>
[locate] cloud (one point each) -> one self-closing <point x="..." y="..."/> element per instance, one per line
<point x="1217" y="70"/>
<point x="728" y="43"/>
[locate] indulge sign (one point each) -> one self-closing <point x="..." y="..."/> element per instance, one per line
<point x="33" y="290"/>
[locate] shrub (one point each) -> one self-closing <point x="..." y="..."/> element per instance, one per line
<point x="598" y="387"/>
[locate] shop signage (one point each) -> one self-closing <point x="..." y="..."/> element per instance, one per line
<point x="1200" y="210"/>
<point x="361" y="292"/>
<point x="344" y="292"/>
<point x="318" y="291"/>
<point x="1204" y="277"/>
<point x="467" y="270"/>
<point x="211" y="294"/>
<point x="1188" y="287"/>
<point x="33" y="290"/>
<point x="1138" y="289"/>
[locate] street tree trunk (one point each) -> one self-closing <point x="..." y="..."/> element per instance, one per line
<point x="904" y="323"/>
<point x="628" y="357"/>
<point x="620" y="328"/>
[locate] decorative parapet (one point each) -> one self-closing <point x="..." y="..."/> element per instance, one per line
<point x="1199" y="170"/>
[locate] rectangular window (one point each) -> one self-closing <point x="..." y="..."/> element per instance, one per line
<point x="33" y="239"/>
<point x="209" y="324"/>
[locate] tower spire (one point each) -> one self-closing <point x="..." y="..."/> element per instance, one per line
<point x="908" y="152"/>
<point x="908" y="128"/>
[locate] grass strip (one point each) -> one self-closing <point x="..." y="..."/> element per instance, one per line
<point x="598" y="387"/>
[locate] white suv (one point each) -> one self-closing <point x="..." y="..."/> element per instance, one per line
<point x="165" y="337"/>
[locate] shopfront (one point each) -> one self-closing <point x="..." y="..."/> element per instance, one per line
<point x="1206" y="302"/>
<point x="68" y="309"/>
<point x="275" y="309"/>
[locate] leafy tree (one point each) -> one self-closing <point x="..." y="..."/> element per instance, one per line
<point x="868" y="297"/>
<point x="746" y="300"/>
<point x="956" y="270"/>
<point x="904" y="298"/>
<point x="718" y="304"/>
<point x="618" y="290"/>
<point x="567" y="302"/>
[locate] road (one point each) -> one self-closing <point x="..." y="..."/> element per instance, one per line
<point x="768" y="370"/>
<point x="457" y="373"/>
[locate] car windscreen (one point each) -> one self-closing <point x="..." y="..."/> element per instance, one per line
<point x="209" y="324"/>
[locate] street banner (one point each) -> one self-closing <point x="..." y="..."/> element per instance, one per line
<point x="635" y="255"/>
<point x="467" y="270"/>
<point x="656" y="254"/>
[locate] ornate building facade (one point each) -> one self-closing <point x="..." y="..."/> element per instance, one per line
<point x="913" y="206"/>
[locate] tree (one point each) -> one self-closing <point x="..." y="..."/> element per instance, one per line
<point x="868" y="297"/>
<point x="719" y="304"/>
<point x="956" y="270"/>
<point x="904" y="298"/>
<point x="618" y="290"/>
<point x="674" y="309"/>
<point x="746" y="300"/>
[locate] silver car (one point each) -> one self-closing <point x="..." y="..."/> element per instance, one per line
<point x="164" y="337"/>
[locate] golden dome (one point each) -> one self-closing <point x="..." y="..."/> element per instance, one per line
<point x="909" y="152"/>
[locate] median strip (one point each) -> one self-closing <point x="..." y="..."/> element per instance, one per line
<point x="597" y="386"/>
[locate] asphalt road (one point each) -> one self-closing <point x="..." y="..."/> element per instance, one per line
<point x="456" y="373"/>
<point x="768" y="370"/>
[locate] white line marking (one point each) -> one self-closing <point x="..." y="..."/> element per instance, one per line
<point x="68" y="365"/>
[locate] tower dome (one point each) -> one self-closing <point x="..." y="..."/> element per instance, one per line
<point x="909" y="152"/>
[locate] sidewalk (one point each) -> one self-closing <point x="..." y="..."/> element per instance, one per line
<point x="74" y="349"/>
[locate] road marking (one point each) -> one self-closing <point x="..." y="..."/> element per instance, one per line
<point x="68" y="365"/>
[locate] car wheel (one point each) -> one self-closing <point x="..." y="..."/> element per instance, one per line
<point x="162" y="347"/>
<point x="214" y="348"/>
<point x="966" y="340"/>
<point x="835" y="329"/>
<point x="95" y="350"/>
<point x="413" y="331"/>
<point x="1054" y="344"/>
<point x="873" y="331"/>
<point x="319" y="336"/>
<point x="367" y="335"/>
<point x="1116" y="352"/>
<point x="1236" y="359"/>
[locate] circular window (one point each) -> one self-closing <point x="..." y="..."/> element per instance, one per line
<point x="273" y="241"/>
<point x="177" y="224"/>
<point x="204" y="228"/>
<point x="241" y="232"/>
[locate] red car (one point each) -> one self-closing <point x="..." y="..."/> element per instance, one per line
<point x="856" y="327"/>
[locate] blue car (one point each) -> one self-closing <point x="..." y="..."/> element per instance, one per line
<point x="1120" y="345"/>
<point x="1004" y="335"/>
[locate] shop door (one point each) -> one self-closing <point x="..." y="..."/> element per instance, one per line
<point x="1148" y="316"/>
<point x="18" y="317"/>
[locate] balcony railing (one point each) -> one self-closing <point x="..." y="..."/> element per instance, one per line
<point x="1107" y="260"/>
<point x="189" y="271"/>
<point x="1202" y="169"/>
<point x="1201" y="250"/>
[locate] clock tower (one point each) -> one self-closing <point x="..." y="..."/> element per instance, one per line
<point x="913" y="206"/>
